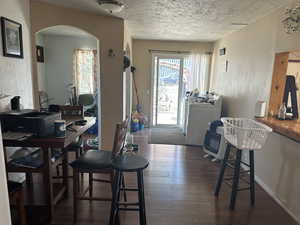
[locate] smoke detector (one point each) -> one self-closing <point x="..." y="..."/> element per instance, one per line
<point x="111" y="6"/>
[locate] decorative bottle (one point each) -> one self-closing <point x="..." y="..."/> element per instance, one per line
<point x="282" y="112"/>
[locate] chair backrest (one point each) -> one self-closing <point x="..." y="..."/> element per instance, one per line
<point x="43" y="99"/>
<point x="86" y="99"/>
<point x="120" y="137"/>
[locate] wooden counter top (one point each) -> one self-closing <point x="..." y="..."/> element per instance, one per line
<point x="288" y="128"/>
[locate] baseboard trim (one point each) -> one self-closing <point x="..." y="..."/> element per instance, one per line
<point x="273" y="196"/>
<point x="277" y="200"/>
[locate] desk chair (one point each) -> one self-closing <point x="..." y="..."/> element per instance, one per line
<point x="88" y="102"/>
<point x="44" y="100"/>
<point x="98" y="161"/>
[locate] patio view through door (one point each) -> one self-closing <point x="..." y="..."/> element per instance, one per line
<point x="167" y="91"/>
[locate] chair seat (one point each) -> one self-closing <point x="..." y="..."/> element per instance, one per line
<point x="14" y="186"/>
<point x="93" y="159"/>
<point x="130" y="163"/>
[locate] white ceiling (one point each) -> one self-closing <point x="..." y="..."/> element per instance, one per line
<point x="192" y="20"/>
<point x="62" y="30"/>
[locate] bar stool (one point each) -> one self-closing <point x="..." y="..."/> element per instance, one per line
<point x="236" y="177"/>
<point x="128" y="162"/>
<point x="100" y="162"/>
<point x="243" y="135"/>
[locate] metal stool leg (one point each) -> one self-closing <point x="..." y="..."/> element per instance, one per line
<point x="124" y="187"/>
<point x="252" y="181"/>
<point x="141" y="193"/>
<point x="114" y="204"/>
<point x="236" y="178"/>
<point x="91" y="185"/>
<point x="222" y="170"/>
<point x="75" y="193"/>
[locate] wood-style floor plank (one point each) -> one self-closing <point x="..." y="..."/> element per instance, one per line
<point x="179" y="186"/>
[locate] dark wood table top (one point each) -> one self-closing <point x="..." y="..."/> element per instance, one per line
<point x="52" y="141"/>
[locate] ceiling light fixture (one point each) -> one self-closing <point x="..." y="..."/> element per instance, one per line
<point x="111" y="6"/>
<point x="291" y="22"/>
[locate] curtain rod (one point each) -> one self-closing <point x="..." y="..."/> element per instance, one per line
<point x="169" y="51"/>
<point x="178" y="52"/>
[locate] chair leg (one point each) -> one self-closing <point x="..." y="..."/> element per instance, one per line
<point x="124" y="186"/>
<point x="142" y="210"/>
<point x="252" y="177"/>
<point x="236" y="178"/>
<point x="57" y="170"/>
<point x="78" y="153"/>
<point x="29" y="179"/>
<point x="222" y="170"/>
<point x="21" y="208"/>
<point x="75" y="193"/>
<point x="91" y="184"/>
<point x="113" y="220"/>
<point x="111" y="177"/>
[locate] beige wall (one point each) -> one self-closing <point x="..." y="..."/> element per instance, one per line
<point x="250" y="53"/>
<point x="110" y="33"/>
<point x="127" y="76"/>
<point x="142" y="62"/>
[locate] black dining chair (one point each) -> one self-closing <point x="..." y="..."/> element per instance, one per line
<point x="100" y="162"/>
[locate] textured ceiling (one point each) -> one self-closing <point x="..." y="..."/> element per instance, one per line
<point x="192" y="20"/>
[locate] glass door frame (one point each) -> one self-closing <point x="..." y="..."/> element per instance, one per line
<point x="154" y="79"/>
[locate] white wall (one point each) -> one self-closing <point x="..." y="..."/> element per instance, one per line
<point x="15" y="79"/>
<point x="58" y="53"/>
<point x="250" y="53"/>
<point x="15" y="74"/>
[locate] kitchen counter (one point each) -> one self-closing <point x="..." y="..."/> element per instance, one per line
<point x="288" y="128"/>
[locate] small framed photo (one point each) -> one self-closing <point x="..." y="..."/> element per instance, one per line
<point x="11" y="38"/>
<point x="222" y="51"/>
<point x="40" y="54"/>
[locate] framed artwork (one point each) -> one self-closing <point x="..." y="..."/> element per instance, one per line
<point x="222" y="51"/>
<point x="11" y="38"/>
<point x="40" y="54"/>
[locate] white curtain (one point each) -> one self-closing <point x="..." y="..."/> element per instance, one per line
<point x="84" y="71"/>
<point x="197" y="65"/>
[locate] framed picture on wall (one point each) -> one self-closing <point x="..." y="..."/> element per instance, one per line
<point x="40" y="54"/>
<point x="11" y="38"/>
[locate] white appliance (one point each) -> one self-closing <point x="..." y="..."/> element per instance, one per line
<point x="197" y="118"/>
<point x="260" y="109"/>
<point x="219" y="154"/>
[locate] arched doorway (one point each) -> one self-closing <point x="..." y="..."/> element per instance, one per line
<point x="67" y="59"/>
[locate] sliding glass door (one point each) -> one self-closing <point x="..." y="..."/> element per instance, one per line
<point x="167" y="90"/>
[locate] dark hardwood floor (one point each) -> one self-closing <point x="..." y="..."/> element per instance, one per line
<point x="179" y="185"/>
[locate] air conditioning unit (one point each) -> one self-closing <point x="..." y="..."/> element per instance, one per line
<point x="214" y="144"/>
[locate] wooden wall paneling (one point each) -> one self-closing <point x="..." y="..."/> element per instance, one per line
<point x="278" y="82"/>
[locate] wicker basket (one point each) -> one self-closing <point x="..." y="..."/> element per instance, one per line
<point x="245" y="134"/>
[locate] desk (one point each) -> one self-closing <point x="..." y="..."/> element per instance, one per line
<point x="46" y="143"/>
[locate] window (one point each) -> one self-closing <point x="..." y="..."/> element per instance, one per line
<point x="85" y="71"/>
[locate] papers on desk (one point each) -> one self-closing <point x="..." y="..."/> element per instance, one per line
<point x="19" y="136"/>
<point x="27" y="157"/>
